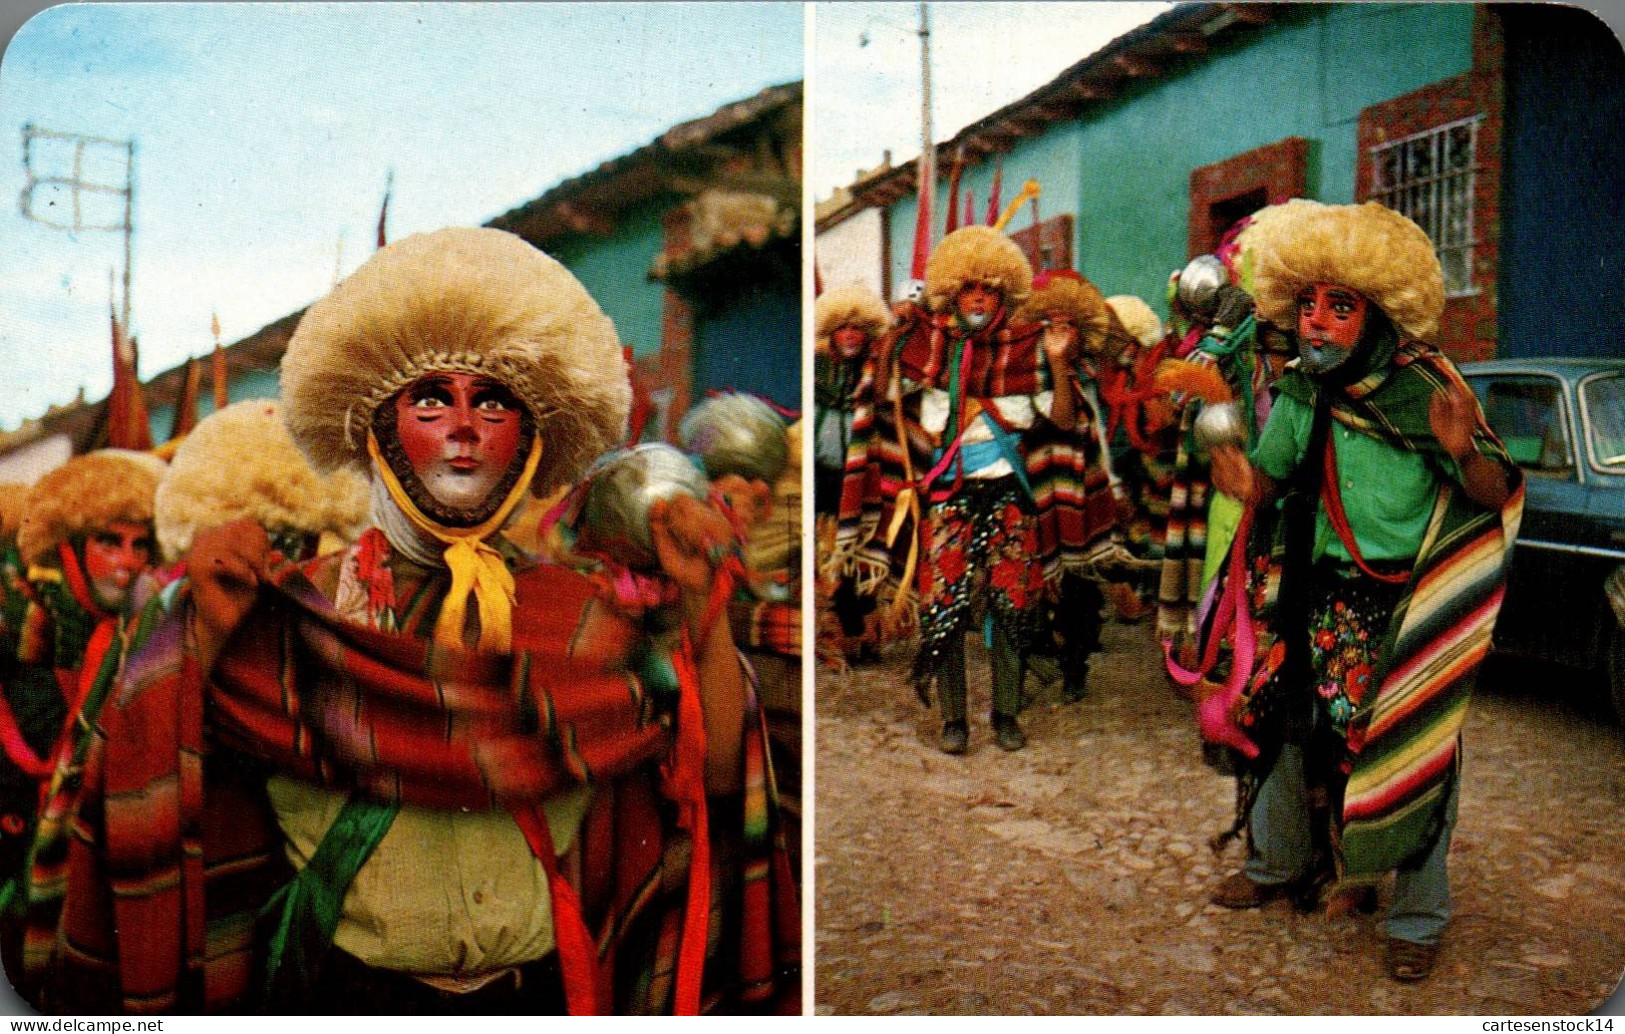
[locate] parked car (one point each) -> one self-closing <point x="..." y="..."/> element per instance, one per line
<point x="1563" y="420"/>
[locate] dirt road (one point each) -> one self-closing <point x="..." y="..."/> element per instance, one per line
<point x="1073" y="876"/>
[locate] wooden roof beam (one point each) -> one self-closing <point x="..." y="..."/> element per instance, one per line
<point x="1084" y="90"/>
<point x="580" y="220"/>
<point x="1035" y="118"/>
<point x="884" y="193"/>
<point x="1187" y="43"/>
<point x="901" y="187"/>
<point x="1135" y="66"/>
<point x="977" y="146"/>
<point x="1007" y="131"/>
<point x="1250" y="14"/>
<point x="712" y="152"/>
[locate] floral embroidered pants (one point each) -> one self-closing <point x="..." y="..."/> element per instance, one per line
<point x="981" y="555"/>
<point x="1348" y="620"/>
<point x="1295" y="820"/>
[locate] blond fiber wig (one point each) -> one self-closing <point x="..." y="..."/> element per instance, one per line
<point x="1137" y="318"/>
<point x="12" y="495"/>
<point x="850" y="305"/>
<point x="241" y="463"/>
<point x="84" y="495"/>
<point x="977" y="254"/>
<point x="478" y="301"/>
<point x="1074" y="296"/>
<point x="1258" y="228"/>
<point x="1366" y="248"/>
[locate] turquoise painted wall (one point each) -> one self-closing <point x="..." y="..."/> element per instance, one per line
<point x="615" y="271"/>
<point x="256" y="384"/>
<point x="1123" y="170"/>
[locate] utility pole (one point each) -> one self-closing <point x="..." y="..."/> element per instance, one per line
<point x="928" y="151"/>
<point x="129" y="223"/>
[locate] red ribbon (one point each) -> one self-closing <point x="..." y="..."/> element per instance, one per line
<point x="17" y="748"/>
<point x="684" y="775"/>
<point x="1340" y="520"/>
<point x="578" y="957"/>
<point x="1214" y="716"/>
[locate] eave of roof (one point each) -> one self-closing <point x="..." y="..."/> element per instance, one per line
<point x="624" y="180"/>
<point x="753" y="238"/>
<point x="1156" y="48"/>
<point x="633" y="177"/>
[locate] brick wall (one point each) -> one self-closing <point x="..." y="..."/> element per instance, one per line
<point x="1468" y="329"/>
<point x="672" y="368"/>
<point x="1275" y="172"/>
<point x="1052" y="238"/>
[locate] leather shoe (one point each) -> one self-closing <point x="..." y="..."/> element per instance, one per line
<point x="1007" y="734"/>
<point x="1409" y="962"/>
<point x="1238" y="892"/>
<point x="1075" y="688"/>
<point x="955" y="738"/>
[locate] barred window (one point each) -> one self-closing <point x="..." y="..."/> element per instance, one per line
<point x="1429" y="178"/>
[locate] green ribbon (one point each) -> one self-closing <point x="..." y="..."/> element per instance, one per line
<point x="1224" y="347"/>
<point x="307" y="907"/>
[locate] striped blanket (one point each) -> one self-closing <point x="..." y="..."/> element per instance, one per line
<point x="862" y="503"/>
<point x="890" y="453"/>
<point x="174" y="851"/>
<point x="1404" y="745"/>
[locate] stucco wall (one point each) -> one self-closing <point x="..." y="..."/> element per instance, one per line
<point x="1124" y="168"/>
<point x="850" y="253"/>
<point x="615" y="271"/>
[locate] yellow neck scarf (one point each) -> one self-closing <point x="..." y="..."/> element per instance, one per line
<point x="476" y="568"/>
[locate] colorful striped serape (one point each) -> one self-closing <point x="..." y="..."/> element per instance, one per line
<point x="1404" y="744"/>
<point x="174" y="849"/>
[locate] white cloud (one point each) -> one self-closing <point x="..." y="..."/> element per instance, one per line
<point x="267" y="130"/>
<point x="984" y="56"/>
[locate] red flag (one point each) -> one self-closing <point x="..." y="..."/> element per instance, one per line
<point x="222" y="386"/>
<point x="993" y="198"/>
<point x="953" y="192"/>
<point x="127" y="424"/>
<point x="217" y="372"/>
<point x="186" y="401"/>
<point x="383" y="213"/>
<point x="642" y="404"/>
<point x="923" y="222"/>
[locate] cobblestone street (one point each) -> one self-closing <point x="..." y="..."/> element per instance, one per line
<point x="1073" y="876"/>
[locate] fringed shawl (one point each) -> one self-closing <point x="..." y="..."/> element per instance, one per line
<point x="174" y="850"/>
<point x="1404" y="744"/>
<point x="1065" y="469"/>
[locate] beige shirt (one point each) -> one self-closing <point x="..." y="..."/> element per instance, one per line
<point x="444" y="893"/>
<point x="1018" y="411"/>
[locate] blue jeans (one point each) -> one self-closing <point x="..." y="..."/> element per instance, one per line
<point x="1281" y="848"/>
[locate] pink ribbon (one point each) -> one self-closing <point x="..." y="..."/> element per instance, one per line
<point x="1215" y="715"/>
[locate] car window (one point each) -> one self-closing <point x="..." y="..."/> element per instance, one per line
<point x="1604" y="402"/>
<point x="1526" y="413"/>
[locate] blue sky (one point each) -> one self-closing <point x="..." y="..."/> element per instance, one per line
<point x="866" y="95"/>
<point x="264" y="133"/>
